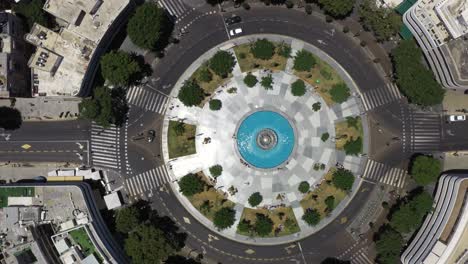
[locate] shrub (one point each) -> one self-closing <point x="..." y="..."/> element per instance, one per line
<point x="242" y="55"/>
<point x="425" y="169"/>
<point x="216" y="170"/>
<point x="340" y="93"/>
<point x="325" y="136"/>
<point x="263" y="49"/>
<point x="244" y="226"/>
<point x="311" y="217"/>
<point x="343" y="179"/>
<point x="353" y="147"/>
<point x="326" y="74"/>
<point x="304" y="187"/>
<point x="250" y="80"/>
<point x="224" y="218"/>
<point x="179" y="128"/>
<point x="298" y="88"/>
<point x="205" y="75"/>
<point x="263" y="225"/>
<point x="222" y="63"/>
<point x="255" y="199"/>
<point x="191" y="184"/>
<point x="267" y="82"/>
<point x="284" y="50"/>
<point x="304" y="61"/>
<point x="353" y="121"/>
<point x="215" y="104"/>
<point x="316" y="106"/>
<point x="191" y="94"/>
<point x="330" y="202"/>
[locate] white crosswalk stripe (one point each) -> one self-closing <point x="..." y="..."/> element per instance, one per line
<point x="379" y="172"/>
<point x="176" y="8"/>
<point x="380" y="96"/>
<point x="149" y="100"/>
<point x="425" y="132"/>
<point x="147" y="180"/>
<point x="361" y="257"/>
<point x="105" y="148"/>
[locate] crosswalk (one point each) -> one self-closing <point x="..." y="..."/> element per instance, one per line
<point x="379" y="172"/>
<point x="176" y="8"/>
<point x="380" y="96"/>
<point x="147" y="180"/>
<point x="361" y="257"/>
<point x="105" y="148"/>
<point x="147" y="99"/>
<point x="424" y="132"/>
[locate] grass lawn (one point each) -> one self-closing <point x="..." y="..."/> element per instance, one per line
<point x="344" y="132"/>
<point x="250" y="214"/>
<point x="182" y="145"/>
<point x="326" y="75"/>
<point x="81" y="238"/>
<point x="247" y="64"/>
<point x="6" y="192"/>
<point x="321" y="193"/>
<point x="215" y="198"/>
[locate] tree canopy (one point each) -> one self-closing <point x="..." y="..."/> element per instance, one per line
<point x="353" y="146"/>
<point x="304" y="61"/>
<point x="343" y="179"/>
<point x="388" y="245"/>
<point x="10" y="118"/>
<point x="311" y="217"/>
<point x="303" y="187"/>
<point x="255" y="199"/>
<point x="410" y="214"/>
<point x="250" y="80"/>
<point x="191" y="94"/>
<point x="119" y="68"/>
<point x="263" y="225"/>
<point x="298" y="88"/>
<point x="263" y="49"/>
<point x="106" y="107"/>
<point x="147" y="244"/>
<point x="127" y="219"/>
<point x="216" y="170"/>
<point x="415" y="81"/>
<point x="224" y="218"/>
<point x="337" y="8"/>
<point x="267" y="82"/>
<point x="340" y="93"/>
<point x="215" y="104"/>
<point x="383" y="21"/>
<point x="222" y="63"/>
<point x="148" y="26"/>
<point x="191" y="184"/>
<point x="425" y="169"/>
<point x="32" y="11"/>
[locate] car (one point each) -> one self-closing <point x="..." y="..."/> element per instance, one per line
<point x="456" y="118"/>
<point x="236" y="31"/>
<point x="151" y="135"/>
<point x="232" y="20"/>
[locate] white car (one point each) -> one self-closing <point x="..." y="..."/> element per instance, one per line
<point x="455" y="118"/>
<point x="236" y="31"/>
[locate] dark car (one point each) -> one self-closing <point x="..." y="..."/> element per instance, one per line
<point x="151" y="135"/>
<point x="233" y="20"/>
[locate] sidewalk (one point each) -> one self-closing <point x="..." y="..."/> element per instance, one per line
<point x="45" y="109"/>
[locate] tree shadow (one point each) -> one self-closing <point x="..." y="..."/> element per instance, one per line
<point x="171" y="230"/>
<point x="176" y="259"/>
<point x="334" y="261"/>
<point x="146" y="69"/>
<point x="119" y="106"/>
<point x="167" y="26"/>
<point x="10" y="118"/>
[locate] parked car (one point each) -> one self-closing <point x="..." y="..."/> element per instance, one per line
<point x="456" y="118"/>
<point x="234" y="32"/>
<point x="232" y="20"/>
<point x="151" y="135"/>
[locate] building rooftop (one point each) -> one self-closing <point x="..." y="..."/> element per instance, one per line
<point x="112" y="200"/>
<point x="453" y="14"/>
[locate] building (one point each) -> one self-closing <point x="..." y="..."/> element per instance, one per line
<point x="443" y="237"/>
<point x="65" y="60"/>
<point x="14" y="72"/>
<point x="440" y="27"/>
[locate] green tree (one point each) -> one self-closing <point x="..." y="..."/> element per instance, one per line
<point x="222" y="63"/>
<point x="244" y="226"/>
<point x="425" y="169"/>
<point x="191" y="94"/>
<point x="353" y="146"/>
<point x="204" y="75"/>
<point x="330" y="202"/>
<point x="99" y="108"/>
<point x="263" y="49"/>
<point x="284" y="50"/>
<point x="340" y="93"/>
<point x="263" y="225"/>
<point x="215" y="104"/>
<point x="303" y="187"/>
<point x="224" y="218"/>
<point x="191" y="184"/>
<point x="216" y="170"/>
<point x="255" y="199"/>
<point x="267" y="82"/>
<point x="32" y="11"/>
<point x="383" y="21"/>
<point x="127" y="219"/>
<point x="337" y="8"/>
<point x="414" y="80"/>
<point x="147" y="244"/>
<point x="343" y="179"/>
<point x="304" y="61"/>
<point x="298" y="88"/>
<point x="316" y="106"/>
<point x="250" y="80"/>
<point x="409" y="215"/>
<point x="119" y="68"/>
<point x="389" y="245"/>
<point x="353" y="121"/>
<point x="10" y="118"/>
<point x="311" y="217"/>
<point x="148" y="26"/>
<point x="325" y="136"/>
